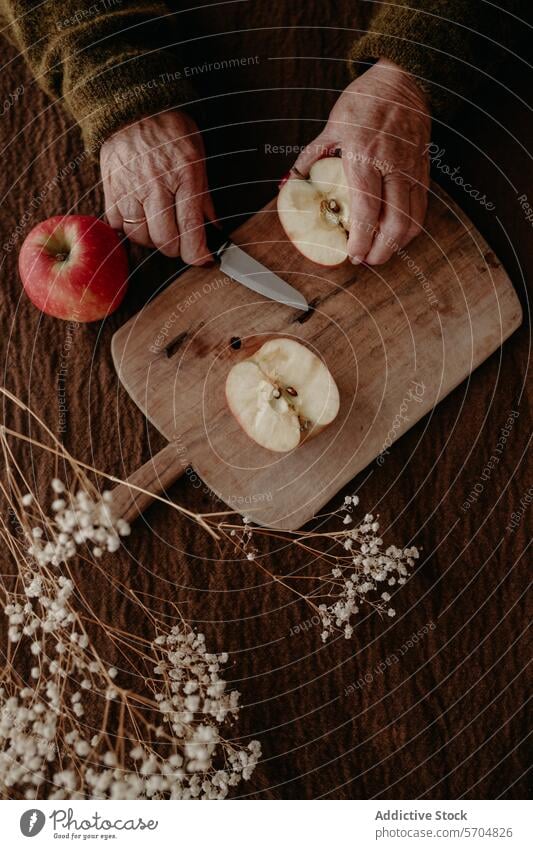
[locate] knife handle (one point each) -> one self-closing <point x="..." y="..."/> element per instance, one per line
<point x="217" y="238"/>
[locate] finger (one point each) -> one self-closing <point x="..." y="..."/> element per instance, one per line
<point x="364" y="184"/>
<point x="419" y="205"/>
<point x="161" y="218"/>
<point x="113" y="217"/>
<point x="133" y="220"/>
<point x="320" y="147"/>
<point x="112" y="213"/>
<point x="190" y="205"/>
<point x="394" y="220"/>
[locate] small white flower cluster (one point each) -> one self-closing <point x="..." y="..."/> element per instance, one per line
<point x="46" y="610"/>
<point x="244" y="538"/>
<point x="78" y="520"/>
<point x="27" y="741"/>
<point x="39" y="722"/>
<point x="194" y="697"/>
<point x="173" y="749"/>
<point x="359" y="573"/>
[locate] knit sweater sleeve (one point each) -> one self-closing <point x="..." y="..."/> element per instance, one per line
<point x="108" y="63"/>
<point x="449" y="46"/>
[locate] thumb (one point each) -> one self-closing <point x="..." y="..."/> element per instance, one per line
<point x="316" y="149"/>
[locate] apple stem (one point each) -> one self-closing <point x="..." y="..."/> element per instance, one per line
<point x="61" y="257"/>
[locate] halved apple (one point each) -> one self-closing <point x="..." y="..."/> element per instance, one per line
<point x="315" y="213"/>
<point x="282" y="394"/>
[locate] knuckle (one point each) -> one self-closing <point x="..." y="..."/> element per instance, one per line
<point x="164" y="237"/>
<point x="191" y="214"/>
<point x="171" y="249"/>
<point x="193" y="246"/>
<point x="189" y="161"/>
<point x="189" y="192"/>
<point x="194" y="232"/>
<point x="191" y="172"/>
<point x="378" y="258"/>
<point x="193" y="225"/>
<point x="113" y="216"/>
<point x="192" y="257"/>
<point x="362" y="228"/>
<point x="360" y="174"/>
<point x="139" y="238"/>
<point x="395" y="229"/>
<point x="359" y="247"/>
<point x="365" y="207"/>
<point x="156" y="238"/>
<point x="109" y="194"/>
<point x="187" y="179"/>
<point x="360" y="182"/>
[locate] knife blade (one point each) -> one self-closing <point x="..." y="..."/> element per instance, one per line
<point x="243" y="268"/>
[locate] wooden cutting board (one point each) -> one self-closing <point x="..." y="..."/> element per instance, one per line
<point x="397" y="339"/>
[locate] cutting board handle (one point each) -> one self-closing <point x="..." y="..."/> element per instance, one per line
<point x="155" y="476"/>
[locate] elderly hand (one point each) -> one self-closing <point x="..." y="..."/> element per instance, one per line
<point x="154" y="175"/>
<point x="381" y="125"/>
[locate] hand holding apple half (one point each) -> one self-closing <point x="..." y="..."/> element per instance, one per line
<point x="315" y="213"/>
<point x="74" y="267"/>
<point x="282" y="394"/>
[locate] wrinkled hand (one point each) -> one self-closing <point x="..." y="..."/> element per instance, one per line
<point x="381" y="125"/>
<point x="154" y="174"/>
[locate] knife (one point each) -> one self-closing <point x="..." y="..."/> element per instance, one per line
<point x="243" y="268"/>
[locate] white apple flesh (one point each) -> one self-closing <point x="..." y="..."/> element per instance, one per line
<point x="282" y="394"/>
<point x="315" y="213"/>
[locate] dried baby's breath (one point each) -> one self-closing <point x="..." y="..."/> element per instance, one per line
<point x="166" y="740"/>
<point x="354" y="563"/>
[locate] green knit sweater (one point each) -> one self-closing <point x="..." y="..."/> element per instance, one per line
<point x="109" y="64"/>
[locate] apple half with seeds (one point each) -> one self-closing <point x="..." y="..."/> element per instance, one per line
<point x="282" y="394"/>
<point x="315" y="212"/>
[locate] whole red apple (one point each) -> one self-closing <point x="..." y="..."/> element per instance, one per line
<point x="74" y="267"/>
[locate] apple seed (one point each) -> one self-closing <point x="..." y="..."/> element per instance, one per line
<point x="282" y="394"/>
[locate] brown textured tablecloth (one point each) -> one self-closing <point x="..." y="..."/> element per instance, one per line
<point x="448" y="720"/>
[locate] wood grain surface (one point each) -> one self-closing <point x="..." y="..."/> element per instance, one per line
<point x="396" y="342"/>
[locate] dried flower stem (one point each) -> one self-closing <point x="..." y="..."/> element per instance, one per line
<point x="164" y="739"/>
